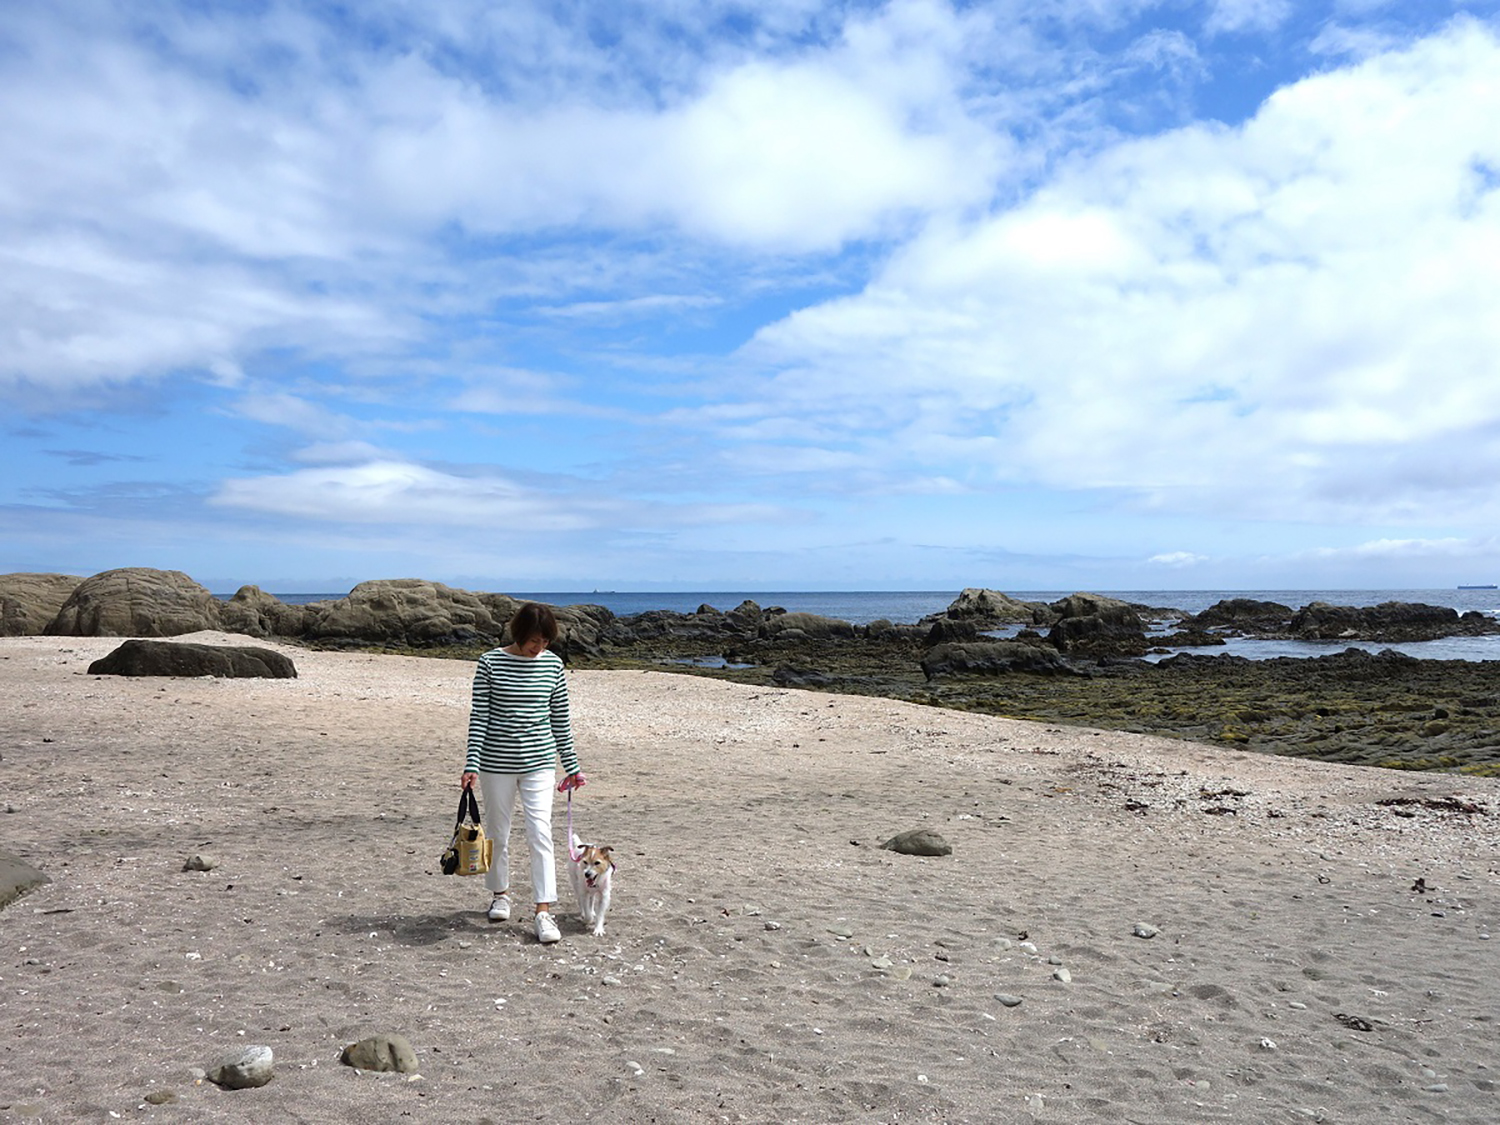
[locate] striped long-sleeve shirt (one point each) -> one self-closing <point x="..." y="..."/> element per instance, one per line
<point x="519" y="722"/>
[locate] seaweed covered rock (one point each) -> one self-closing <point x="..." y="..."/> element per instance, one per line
<point x="29" y="602"/>
<point x="1388" y="622"/>
<point x="1244" y="614"/>
<point x="1093" y="625"/>
<point x="174" y="658"/>
<point x="795" y="626"/>
<point x="993" y="658"/>
<point x="136" y="602"/>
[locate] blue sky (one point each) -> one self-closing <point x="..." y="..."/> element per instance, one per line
<point x="1053" y="294"/>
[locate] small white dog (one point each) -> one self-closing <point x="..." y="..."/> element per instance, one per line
<point x="592" y="873"/>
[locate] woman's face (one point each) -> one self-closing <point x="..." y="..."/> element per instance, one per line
<point x="533" y="646"/>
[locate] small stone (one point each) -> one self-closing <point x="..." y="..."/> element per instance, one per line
<point x="1054" y="960"/>
<point x="773" y="925"/>
<point x="200" y="863"/>
<point x="1028" y="947"/>
<point x="1268" y="1044"/>
<point x="160" y="1097"/>
<point x="918" y="841"/>
<point x="881" y="963"/>
<point x="611" y="980"/>
<point x="635" y="1068"/>
<point x="1142" y="930"/>
<point x="1437" y="1088"/>
<point x="1298" y="1005"/>
<point x="381" y="1053"/>
<point x="1063" y="975"/>
<point x="1008" y="1000"/>
<point x="842" y="932"/>
<point x="902" y="972"/>
<point x="942" y="980"/>
<point x="243" y="1070"/>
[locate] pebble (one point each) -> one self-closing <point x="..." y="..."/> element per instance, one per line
<point x="1142" y="930"/>
<point x="902" y="972"/>
<point x="1027" y="947"/>
<point x="161" y="1097"/>
<point x="1008" y="1000"/>
<point x="844" y="933"/>
<point x="881" y="963"/>
<point x="1063" y="975"/>
<point x="1268" y="1044"/>
<point x="942" y="980"/>
<point x="244" y="1069"/>
<point x="773" y="925"/>
<point x="1054" y="960"/>
<point x="611" y="980"/>
<point x="1297" y="1004"/>
<point x="1438" y="1088"/>
<point x="200" y="863"/>
<point x="635" y="1068"/>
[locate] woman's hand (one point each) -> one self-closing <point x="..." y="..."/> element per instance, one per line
<point x="572" y="781"/>
<point x="468" y="780"/>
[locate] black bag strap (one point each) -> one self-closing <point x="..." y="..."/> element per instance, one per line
<point x="467" y="804"/>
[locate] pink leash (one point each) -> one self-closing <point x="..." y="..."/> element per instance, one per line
<point x="574" y="856"/>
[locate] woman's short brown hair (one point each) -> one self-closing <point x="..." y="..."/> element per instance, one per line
<point x="533" y="619"/>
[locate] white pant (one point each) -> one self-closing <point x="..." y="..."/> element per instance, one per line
<point x="535" y="789"/>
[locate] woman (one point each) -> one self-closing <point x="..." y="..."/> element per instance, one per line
<point x="518" y="728"/>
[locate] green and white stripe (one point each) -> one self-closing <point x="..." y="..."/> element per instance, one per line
<point x="519" y="722"/>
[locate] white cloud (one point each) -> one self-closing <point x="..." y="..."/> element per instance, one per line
<point x="1177" y="559"/>
<point x="1246" y="15"/>
<point x="1289" y="317"/>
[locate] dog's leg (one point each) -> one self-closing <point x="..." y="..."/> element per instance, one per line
<point x="603" y="908"/>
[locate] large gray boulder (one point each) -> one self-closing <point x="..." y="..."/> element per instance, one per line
<point x="409" y="612"/>
<point x="136" y="602"/>
<point x="986" y="609"/>
<point x="805" y="625"/>
<point x="29" y="602"/>
<point x="173" y="658"/>
<point x="256" y="613"/>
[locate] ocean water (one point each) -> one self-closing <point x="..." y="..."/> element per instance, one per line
<point x="906" y="606"/>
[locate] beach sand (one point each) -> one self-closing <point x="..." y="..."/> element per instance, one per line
<point x="765" y="959"/>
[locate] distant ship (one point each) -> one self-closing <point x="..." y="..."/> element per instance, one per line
<point x="1481" y="586"/>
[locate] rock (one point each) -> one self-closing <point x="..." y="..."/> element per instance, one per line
<point x="244" y="1069"/>
<point x="918" y="841"/>
<point x="1388" y="622"/>
<point x="1007" y="1000"/>
<point x="29" y="602"/>
<point x="947" y="631"/>
<point x="382" y="1053"/>
<point x="805" y="625"/>
<point x="410" y="612"/>
<point x="160" y="1097"/>
<point x="254" y="612"/>
<point x="1142" y="930"/>
<point x="136" y="602"/>
<point x="986" y="609"/>
<point x="200" y="863"/>
<point x="1092" y="625"/>
<point x="174" y="658"/>
<point x="787" y="676"/>
<point x="994" y="658"/>
<point x="1242" y="614"/>
<point x="17" y="877"/>
<point x="1062" y="975"/>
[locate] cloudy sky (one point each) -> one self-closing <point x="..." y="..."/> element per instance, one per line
<point x="1028" y="294"/>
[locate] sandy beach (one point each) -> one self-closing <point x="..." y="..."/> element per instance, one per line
<point x="1128" y="929"/>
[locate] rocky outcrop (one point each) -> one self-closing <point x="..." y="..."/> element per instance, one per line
<point x="29" y="602"/>
<point x="1388" y="622"/>
<point x="803" y="626"/>
<point x="1242" y="614"/>
<point x="986" y="609"/>
<point x="1093" y="625"/>
<point x="256" y="613"/>
<point x="136" y="602"/>
<point x="993" y="658"/>
<point x="409" y="612"/>
<point x="173" y="658"/>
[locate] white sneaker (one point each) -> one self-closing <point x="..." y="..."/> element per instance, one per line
<point x="499" y="910"/>
<point x="546" y="929"/>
